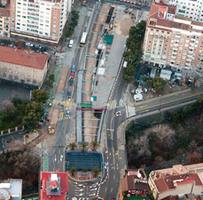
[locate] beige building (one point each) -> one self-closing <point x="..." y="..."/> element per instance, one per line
<point x="177" y="181"/>
<point x="172" y="40"/>
<point x="23" y="66"/>
<point x="5" y="20"/>
<point x="39" y="19"/>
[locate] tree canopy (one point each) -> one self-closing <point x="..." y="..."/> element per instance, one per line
<point x="27" y="113"/>
<point x="133" y="51"/>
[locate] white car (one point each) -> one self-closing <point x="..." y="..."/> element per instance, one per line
<point x="61" y="158"/>
<point x="70" y="44"/>
<point x="118" y="113"/>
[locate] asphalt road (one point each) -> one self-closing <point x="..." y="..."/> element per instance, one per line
<point x="65" y="127"/>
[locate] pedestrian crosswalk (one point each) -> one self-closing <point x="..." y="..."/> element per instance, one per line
<point x="111" y="104"/>
<point x="66" y="103"/>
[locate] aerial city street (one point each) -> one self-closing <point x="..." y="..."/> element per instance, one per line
<point x="101" y="99"/>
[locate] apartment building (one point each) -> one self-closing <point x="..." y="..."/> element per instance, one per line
<point x="5" y="20"/>
<point x="177" y="181"/>
<point x="192" y="9"/>
<point x="23" y="66"/>
<point x="172" y="39"/>
<point x="39" y="19"/>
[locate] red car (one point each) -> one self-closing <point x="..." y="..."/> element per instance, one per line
<point x="72" y="74"/>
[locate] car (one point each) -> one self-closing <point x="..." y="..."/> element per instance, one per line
<point x="67" y="113"/>
<point x="118" y="113"/>
<point x="72" y="75"/>
<point x="71" y="81"/>
<point x="69" y="94"/>
<point x="61" y="158"/>
<point x="73" y="68"/>
<point x="70" y="44"/>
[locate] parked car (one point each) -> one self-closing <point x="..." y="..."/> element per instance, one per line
<point x="70" y="44"/>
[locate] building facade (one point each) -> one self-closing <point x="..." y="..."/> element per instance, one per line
<point x="5" y="20"/>
<point x="173" y="40"/>
<point x="177" y="181"/>
<point x="39" y="19"/>
<point x="23" y="66"/>
<point x="192" y="9"/>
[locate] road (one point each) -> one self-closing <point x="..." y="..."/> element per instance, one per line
<point x="115" y="153"/>
<point x="66" y="125"/>
<point x="65" y="130"/>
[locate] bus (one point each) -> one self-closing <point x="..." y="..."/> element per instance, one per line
<point x="83" y="38"/>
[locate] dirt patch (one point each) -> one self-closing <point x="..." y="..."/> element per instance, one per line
<point x="123" y="25"/>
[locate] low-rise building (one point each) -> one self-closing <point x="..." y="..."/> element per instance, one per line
<point x="54" y="185"/>
<point x="134" y="183"/>
<point x="23" y="66"/>
<point x="11" y="189"/>
<point x="177" y="181"/>
<point x="172" y="40"/>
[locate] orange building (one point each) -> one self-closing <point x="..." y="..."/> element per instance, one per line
<point x="173" y="40"/>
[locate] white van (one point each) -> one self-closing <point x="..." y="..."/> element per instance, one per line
<point x="125" y="64"/>
<point x="70" y="44"/>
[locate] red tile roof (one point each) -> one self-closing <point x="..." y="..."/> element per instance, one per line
<point x="161" y="185"/>
<point x="165" y="182"/>
<point x="45" y="182"/>
<point x="23" y="57"/>
<point x="160" y="8"/>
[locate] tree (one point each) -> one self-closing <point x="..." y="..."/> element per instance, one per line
<point x="95" y="172"/>
<point x="49" y="81"/>
<point x="194" y="157"/>
<point x="94" y="145"/>
<point x="73" y="171"/>
<point x="39" y="95"/>
<point x="71" y="24"/>
<point x="158" y="84"/>
<point x="72" y="146"/>
<point x="133" y="53"/>
<point x="84" y="146"/>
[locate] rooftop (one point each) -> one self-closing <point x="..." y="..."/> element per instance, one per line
<point x="23" y="57"/>
<point x="165" y="182"/>
<point x="135" y="180"/>
<point x="54" y="185"/>
<point x="83" y="160"/>
<point x="11" y="189"/>
<point x="158" y="16"/>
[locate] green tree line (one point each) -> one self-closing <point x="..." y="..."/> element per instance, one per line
<point x="27" y="113"/>
<point x="133" y="51"/>
<point x="71" y="24"/>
